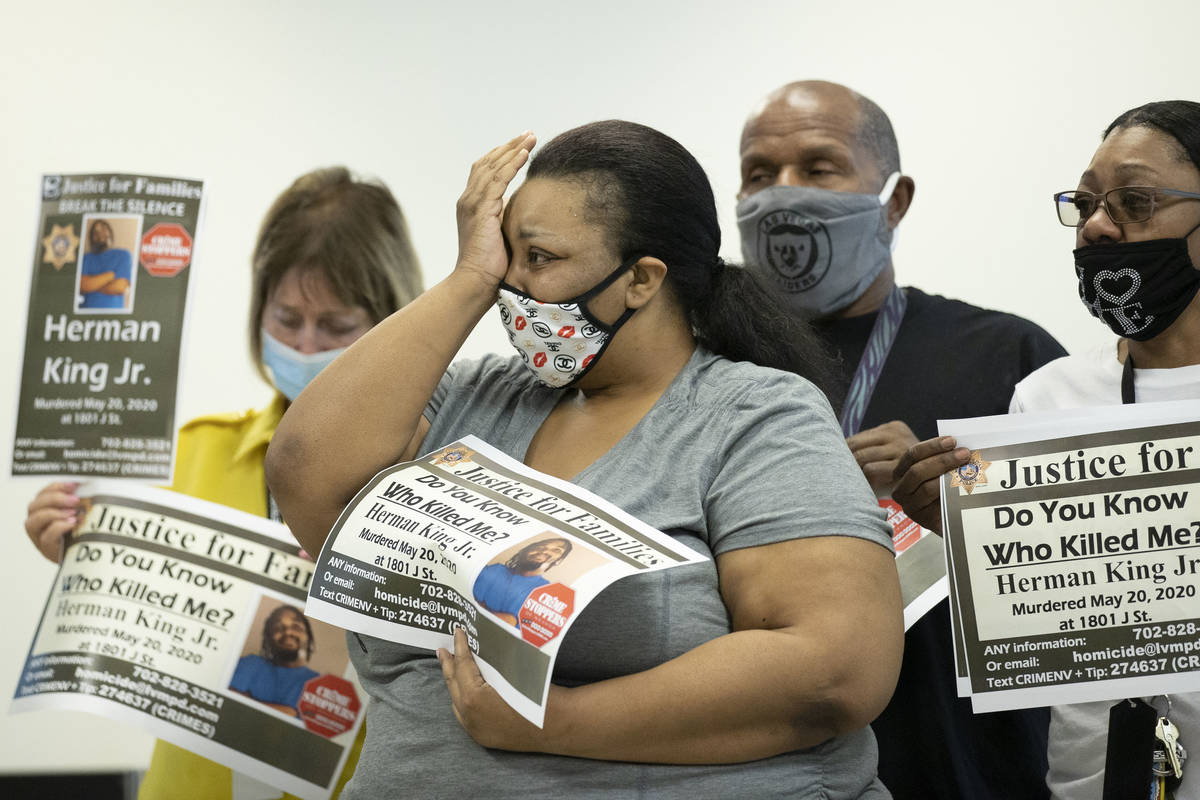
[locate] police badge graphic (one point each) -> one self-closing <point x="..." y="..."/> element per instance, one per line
<point x="59" y="246"/>
<point x="971" y="474"/>
<point x="796" y="247"/>
<point x="453" y="454"/>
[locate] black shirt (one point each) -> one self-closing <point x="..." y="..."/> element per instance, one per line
<point x="950" y="359"/>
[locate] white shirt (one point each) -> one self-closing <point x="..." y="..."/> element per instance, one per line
<point x="1079" y="732"/>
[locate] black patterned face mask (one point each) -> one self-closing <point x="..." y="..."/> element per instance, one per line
<point x="1137" y="288"/>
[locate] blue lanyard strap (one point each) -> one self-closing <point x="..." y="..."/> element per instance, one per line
<point x="866" y="375"/>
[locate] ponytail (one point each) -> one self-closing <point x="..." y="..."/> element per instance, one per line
<point x="741" y="320"/>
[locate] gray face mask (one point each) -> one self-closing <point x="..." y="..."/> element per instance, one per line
<point x="821" y="249"/>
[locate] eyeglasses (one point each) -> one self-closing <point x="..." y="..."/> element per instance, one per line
<point x="1123" y="205"/>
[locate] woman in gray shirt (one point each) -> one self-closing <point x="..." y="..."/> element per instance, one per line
<point x="651" y="373"/>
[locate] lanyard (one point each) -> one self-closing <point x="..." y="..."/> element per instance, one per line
<point x="1127" y="381"/>
<point x="866" y="375"/>
<point x="1130" y="752"/>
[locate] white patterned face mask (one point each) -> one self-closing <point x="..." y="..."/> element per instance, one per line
<point x="558" y="342"/>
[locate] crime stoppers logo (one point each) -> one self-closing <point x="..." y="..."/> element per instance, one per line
<point x="545" y="613"/>
<point x="166" y="249"/>
<point x="796" y="247"/>
<point x="329" y="705"/>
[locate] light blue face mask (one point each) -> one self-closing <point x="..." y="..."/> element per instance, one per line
<point x="290" y="369"/>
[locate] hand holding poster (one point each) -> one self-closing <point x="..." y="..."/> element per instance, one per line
<point x="1074" y="545"/>
<point x="468" y="537"/>
<point x="183" y="618"/>
<point x="107" y="306"/>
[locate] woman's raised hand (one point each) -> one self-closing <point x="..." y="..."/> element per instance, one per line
<point x="52" y="515"/>
<point x="480" y="208"/>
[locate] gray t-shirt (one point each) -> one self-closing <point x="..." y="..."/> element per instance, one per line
<point x="732" y="455"/>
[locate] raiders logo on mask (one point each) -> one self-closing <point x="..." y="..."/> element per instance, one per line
<point x="796" y="247"/>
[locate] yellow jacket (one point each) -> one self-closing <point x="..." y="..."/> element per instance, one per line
<point x="220" y="458"/>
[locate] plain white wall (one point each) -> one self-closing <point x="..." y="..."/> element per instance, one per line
<point x="995" y="106"/>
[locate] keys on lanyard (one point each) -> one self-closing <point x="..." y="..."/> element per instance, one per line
<point x="1143" y="748"/>
<point x="1169" y="756"/>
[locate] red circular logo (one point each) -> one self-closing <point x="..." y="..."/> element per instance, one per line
<point x="328" y="705"/>
<point x="519" y="324"/>
<point x="566" y="331"/>
<point x="539" y="359"/>
<point x="166" y="249"/>
<point x="545" y="613"/>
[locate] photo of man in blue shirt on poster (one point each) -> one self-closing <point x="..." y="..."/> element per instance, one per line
<point x="106" y="273"/>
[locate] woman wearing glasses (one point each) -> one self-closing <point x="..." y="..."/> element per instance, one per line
<point x="1136" y="216"/>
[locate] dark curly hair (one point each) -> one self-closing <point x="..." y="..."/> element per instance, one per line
<point x="268" y="647"/>
<point x="513" y="562"/>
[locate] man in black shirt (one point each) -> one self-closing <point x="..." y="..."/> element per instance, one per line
<point x="821" y="195"/>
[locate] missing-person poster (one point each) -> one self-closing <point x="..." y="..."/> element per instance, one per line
<point x="468" y="537"/>
<point x="185" y="618"/>
<point x="1074" y="545"/>
<point x="107" y="304"/>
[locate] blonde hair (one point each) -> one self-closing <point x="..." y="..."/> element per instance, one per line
<point x="349" y="230"/>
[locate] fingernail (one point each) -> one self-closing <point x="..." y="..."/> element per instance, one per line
<point x="947" y="441"/>
<point x="962" y="453"/>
